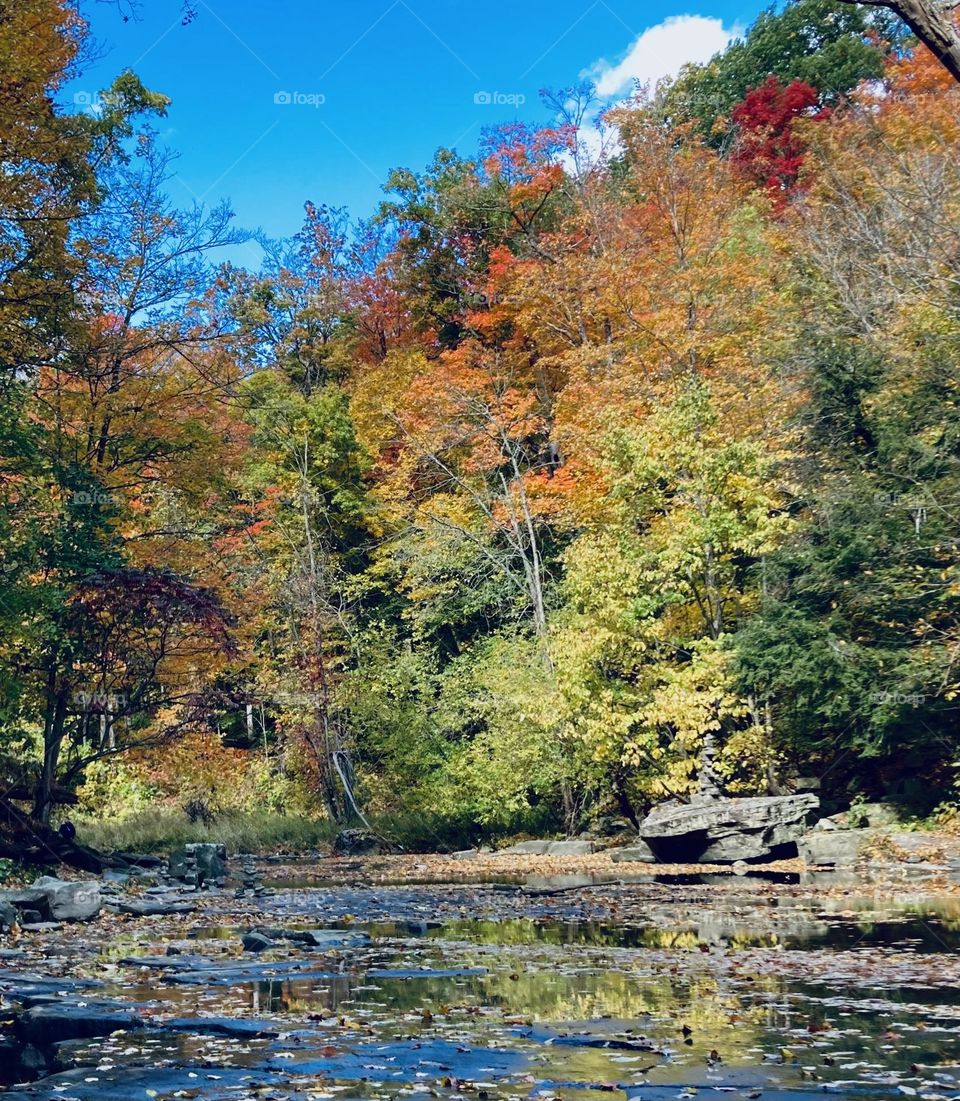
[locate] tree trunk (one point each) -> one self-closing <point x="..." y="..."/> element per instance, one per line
<point x="932" y="23"/>
<point x="56" y="713"/>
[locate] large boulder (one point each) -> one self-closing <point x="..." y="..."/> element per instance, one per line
<point x="723" y="831"/>
<point x="211" y="861"/>
<point x="70" y="901"/>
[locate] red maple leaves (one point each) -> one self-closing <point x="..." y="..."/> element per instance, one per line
<point x="769" y="148"/>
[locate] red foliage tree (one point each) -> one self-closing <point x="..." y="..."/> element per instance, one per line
<point x="769" y="150"/>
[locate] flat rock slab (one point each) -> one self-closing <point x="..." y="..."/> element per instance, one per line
<point x="44" y="1025"/>
<point x="430" y="1061"/>
<point x="574" y="847"/>
<point x="640" y="852"/>
<point x="166" y="963"/>
<point x="723" y="831"/>
<point x="528" y="848"/>
<point x="148" y="907"/>
<point x="421" y="1062"/>
<point x="241" y="1027"/>
<point x="16" y="984"/>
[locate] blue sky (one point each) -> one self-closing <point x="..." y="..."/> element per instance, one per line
<point x="278" y="102"/>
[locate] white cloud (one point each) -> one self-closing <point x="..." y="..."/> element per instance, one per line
<point x="661" y="51"/>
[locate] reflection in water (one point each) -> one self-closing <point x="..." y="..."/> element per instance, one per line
<point x="769" y="995"/>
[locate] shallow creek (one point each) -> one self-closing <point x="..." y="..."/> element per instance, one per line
<point x="486" y="991"/>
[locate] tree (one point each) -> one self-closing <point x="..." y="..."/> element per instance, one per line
<point x="305" y="483"/>
<point x="290" y="313"/>
<point x="110" y="415"/>
<point x="855" y="643"/>
<point x="768" y="149"/>
<point x="127" y="649"/>
<point x="827" y="44"/>
<point x="932" y="22"/>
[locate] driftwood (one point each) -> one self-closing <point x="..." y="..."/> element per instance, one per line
<point x="24" y="838"/>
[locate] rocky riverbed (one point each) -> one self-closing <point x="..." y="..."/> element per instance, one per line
<point x="545" y="982"/>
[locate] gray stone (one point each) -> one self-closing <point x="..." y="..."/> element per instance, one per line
<point x="256" y="942"/>
<point x="73" y="901"/>
<point x="826" y="825"/>
<point x="836" y="848"/>
<point x="211" y="860"/>
<point x="640" y="852"/>
<point x="570" y="848"/>
<point x="26" y="898"/>
<point x="528" y="848"/>
<point x="465" y="854"/>
<point x="872" y="814"/>
<point x="722" y="831"/>
<point x="8" y="915"/>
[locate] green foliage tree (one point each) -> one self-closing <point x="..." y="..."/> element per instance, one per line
<point x="828" y="44"/>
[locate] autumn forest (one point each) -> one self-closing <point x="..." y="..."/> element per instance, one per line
<point x="603" y="448"/>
